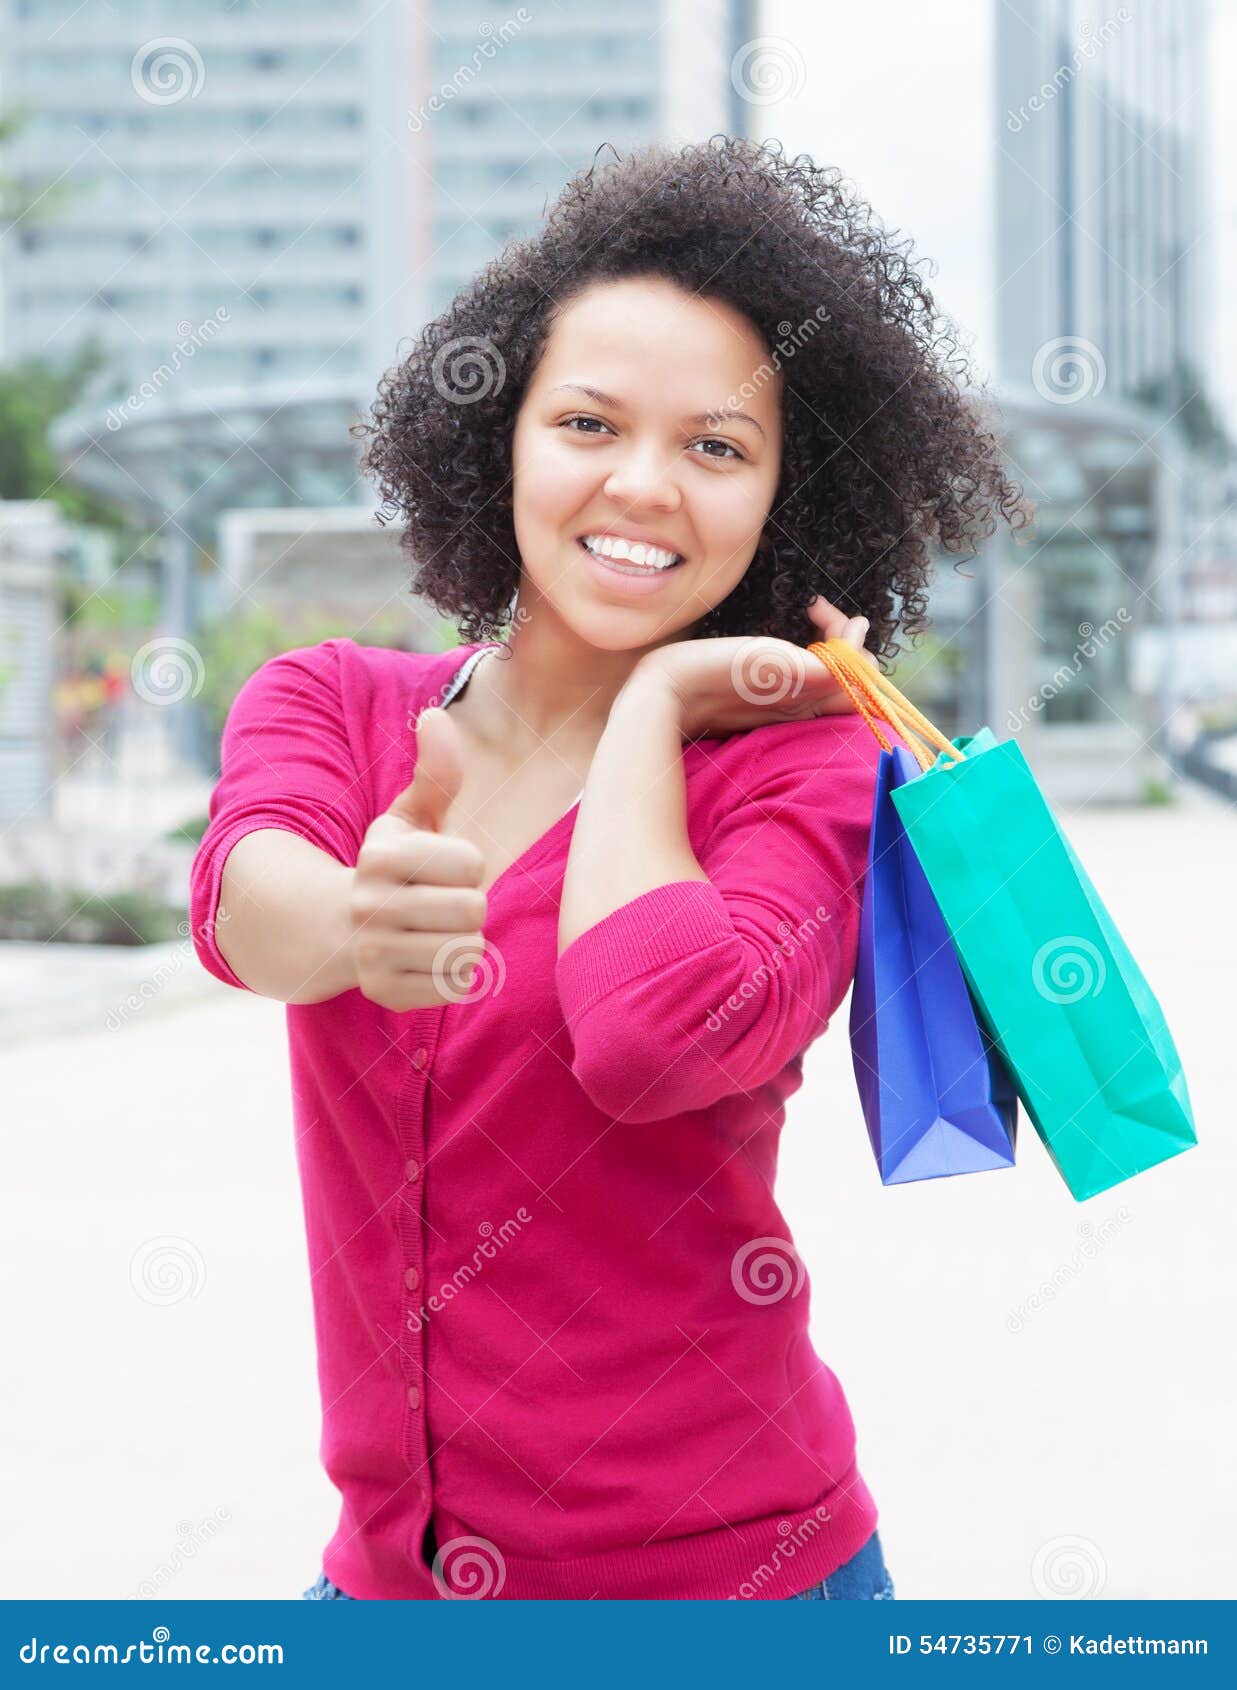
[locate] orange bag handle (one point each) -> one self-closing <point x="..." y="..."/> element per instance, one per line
<point x="876" y="699"/>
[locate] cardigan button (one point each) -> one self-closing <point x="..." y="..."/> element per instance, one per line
<point x="420" y="1057"/>
<point x="414" y="1401"/>
<point x="411" y="1278"/>
<point x="411" y="1169"/>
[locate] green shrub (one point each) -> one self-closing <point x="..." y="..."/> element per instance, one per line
<point x="1157" y="791"/>
<point x="35" y="912"/>
<point x="235" y="645"/>
<point x="189" y="832"/>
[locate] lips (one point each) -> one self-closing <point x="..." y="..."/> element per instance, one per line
<point x="629" y="580"/>
<point x="632" y="551"/>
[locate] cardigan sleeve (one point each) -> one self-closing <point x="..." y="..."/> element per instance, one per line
<point x="285" y="762"/>
<point x="698" y="990"/>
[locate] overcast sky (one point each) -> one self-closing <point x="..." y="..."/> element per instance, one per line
<point x="900" y="95"/>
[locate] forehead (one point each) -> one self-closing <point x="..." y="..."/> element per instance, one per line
<point x="615" y="335"/>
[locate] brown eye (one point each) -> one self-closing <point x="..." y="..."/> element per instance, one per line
<point x="568" y="421"/>
<point x="713" y="440"/>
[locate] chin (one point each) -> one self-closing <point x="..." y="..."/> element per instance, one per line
<point x="614" y="634"/>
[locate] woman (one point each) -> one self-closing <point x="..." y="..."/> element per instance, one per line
<point x="557" y="913"/>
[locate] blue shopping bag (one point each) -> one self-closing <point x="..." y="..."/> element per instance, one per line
<point x="935" y="1093"/>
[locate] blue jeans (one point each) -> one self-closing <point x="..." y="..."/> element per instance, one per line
<point x="864" y="1578"/>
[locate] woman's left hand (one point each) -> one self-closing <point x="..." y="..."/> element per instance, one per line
<point x="724" y="686"/>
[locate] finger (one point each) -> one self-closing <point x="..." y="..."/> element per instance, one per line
<point x="827" y="617"/>
<point x="436" y="955"/>
<point x="394" y="855"/>
<point x="856" y="631"/>
<point x="432" y="909"/>
<point x="837" y="704"/>
<point x="438" y="775"/>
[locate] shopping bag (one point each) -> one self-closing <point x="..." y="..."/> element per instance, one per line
<point x="936" y="1096"/>
<point x="1082" y="1034"/>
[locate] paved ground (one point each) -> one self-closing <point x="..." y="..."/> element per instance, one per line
<point x="171" y="1446"/>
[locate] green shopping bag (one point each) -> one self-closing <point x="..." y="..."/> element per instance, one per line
<point x="1063" y="999"/>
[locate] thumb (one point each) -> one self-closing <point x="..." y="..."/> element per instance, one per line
<point x="438" y="775"/>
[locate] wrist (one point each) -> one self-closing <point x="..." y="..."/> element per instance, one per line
<point x="334" y="940"/>
<point x="650" y="692"/>
<point x="341" y="965"/>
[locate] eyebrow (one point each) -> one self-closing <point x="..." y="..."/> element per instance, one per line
<point x="703" y="417"/>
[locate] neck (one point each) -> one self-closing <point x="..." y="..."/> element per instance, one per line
<point x="551" y="688"/>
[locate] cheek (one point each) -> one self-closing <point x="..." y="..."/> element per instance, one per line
<point x="731" y="512"/>
<point x="550" y="482"/>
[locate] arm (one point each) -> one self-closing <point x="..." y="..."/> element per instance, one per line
<point x="269" y="881"/>
<point x="631" y="832"/>
<point x="683" y="981"/>
<point x="283" y="921"/>
<point x="631" y="828"/>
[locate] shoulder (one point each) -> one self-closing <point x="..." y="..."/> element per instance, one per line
<point x="386" y="668"/>
<point x="372" y="682"/>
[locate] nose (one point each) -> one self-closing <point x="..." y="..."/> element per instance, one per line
<point x="644" y="479"/>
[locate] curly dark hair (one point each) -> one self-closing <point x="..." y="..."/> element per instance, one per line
<point x="883" y="451"/>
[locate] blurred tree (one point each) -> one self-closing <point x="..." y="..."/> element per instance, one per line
<point x="33" y="393"/>
<point x="234" y="645"/>
<point x="22" y="198"/>
<point x="1180" y="394"/>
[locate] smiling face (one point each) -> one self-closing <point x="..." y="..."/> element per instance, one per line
<point x="651" y="421"/>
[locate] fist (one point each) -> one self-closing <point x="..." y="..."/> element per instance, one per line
<point x="416" y="908"/>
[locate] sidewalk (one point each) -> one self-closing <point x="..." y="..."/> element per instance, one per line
<point x="48" y="989"/>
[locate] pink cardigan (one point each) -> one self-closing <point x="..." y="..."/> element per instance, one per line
<point x="562" y="1331"/>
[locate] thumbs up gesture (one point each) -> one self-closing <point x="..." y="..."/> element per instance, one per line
<point x="415" y="892"/>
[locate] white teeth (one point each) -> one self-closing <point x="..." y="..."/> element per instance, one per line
<point x="634" y="551"/>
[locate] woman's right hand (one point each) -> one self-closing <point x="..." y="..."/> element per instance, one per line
<point x="416" y="907"/>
